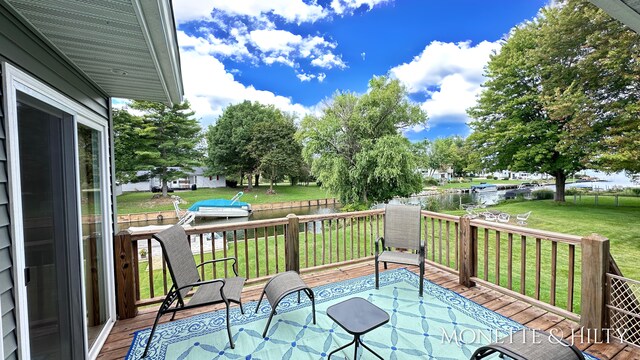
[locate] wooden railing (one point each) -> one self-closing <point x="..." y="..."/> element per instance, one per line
<point x="535" y="266"/>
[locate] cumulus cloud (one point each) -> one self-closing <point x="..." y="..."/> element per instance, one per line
<point x="308" y="77"/>
<point x="449" y="75"/>
<point x="329" y="61"/>
<point x="346" y="6"/>
<point x="290" y="10"/>
<point x="200" y="71"/>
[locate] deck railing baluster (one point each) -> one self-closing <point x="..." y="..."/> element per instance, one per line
<point x="570" y="277"/>
<point x="246" y="254"/>
<point x="538" y="268"/>
<point x="448" y="229"/>
<point x="275" y="242"/>
<point x="150" y="267"/>
<point x="266" y="250"/>
<point x="255" y="242"/>
<point x="486" y="254"/>
<point x="510" y="261"/>
<point x="554" y="260"/>
<point x="523" y="263"/>
<point x="497" y="258"/>
<point x="201" y="238"/>
<point x="330" y="243"/>
<point x="224" y="253"/>
<point x="306" y="245"/>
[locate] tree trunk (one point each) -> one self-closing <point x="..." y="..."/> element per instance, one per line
<point x="241" y="178"/>
<point x="257" y="178"/>
<point x="249" y="182"/>
<point x="561" y="179"/>
<point x="165" y="188"/>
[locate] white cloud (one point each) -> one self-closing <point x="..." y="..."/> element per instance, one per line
<point x="209" y="44"/>
<point x="210" y="88"/>
<point x="188" y="10"/>
<point x="290" y="10"/>
<point x="280" y="41"/>
<point x="329" y="61"/>
<point x="342" y="6"/>
<point x="449" y="74"/>
<point x="321" y="77"/>
<point x="305" y="77"/>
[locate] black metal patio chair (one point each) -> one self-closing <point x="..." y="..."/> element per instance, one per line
<point x="401" y="231"/>
<point x="185" y="277"/>
<point x="527" y="344"/>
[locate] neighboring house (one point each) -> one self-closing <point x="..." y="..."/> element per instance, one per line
<point x="195" y="177"/>
<point x="443" y="174"/>
<point x="61" y="63"/>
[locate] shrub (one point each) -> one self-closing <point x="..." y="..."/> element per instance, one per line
<point x="635" y="191"/>
<point x="354" y="207"/>
<point x="431" y="203"/>
<point x="231" y="183"/>
<point x="543" y="194"/>
<point x="505" y="178"/>
<point x="495" y="178"/>
<point x="431" y="182"/>
<point x="572" y="191"/>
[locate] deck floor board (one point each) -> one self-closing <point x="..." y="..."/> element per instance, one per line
<point x="119" y="340"/>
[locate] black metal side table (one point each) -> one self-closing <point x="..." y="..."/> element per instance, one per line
<point x="357" y="316"/>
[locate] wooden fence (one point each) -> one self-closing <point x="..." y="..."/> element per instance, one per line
<point x="545" y="269"/>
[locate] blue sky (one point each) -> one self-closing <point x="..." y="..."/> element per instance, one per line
<point x="296" y="53"/>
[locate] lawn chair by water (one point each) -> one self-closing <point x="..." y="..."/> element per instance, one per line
<point x="185" y="276"/>
<point x="528" y="344"/>
<point x="401" y="231"/>
<point x="504" y="218"/>
<point x="522" y="218"/>
<point x="471" y="212"/>
<point x="489" y="216"/>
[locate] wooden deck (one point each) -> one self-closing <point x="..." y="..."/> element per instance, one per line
<point x="119" y="340"/>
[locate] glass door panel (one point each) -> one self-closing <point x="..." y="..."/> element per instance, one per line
<point x="46" y="215"/>
<point x="91" y="195"/>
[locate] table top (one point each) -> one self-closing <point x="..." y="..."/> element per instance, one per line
<point x="357" y="315"/>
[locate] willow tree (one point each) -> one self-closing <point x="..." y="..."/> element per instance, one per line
<point x="356" y="147"/>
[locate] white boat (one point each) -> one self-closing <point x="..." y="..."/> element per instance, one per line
<point x="484" y="187"/>
<point x="221" y="207"/>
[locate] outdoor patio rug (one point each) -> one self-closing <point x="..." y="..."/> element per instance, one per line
<point x="441" y="325"/>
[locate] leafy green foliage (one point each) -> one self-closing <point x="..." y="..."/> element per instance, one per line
<point x="356" y="147"/>
<point x="443" y="153"/>
<point x="164" y="141"/>
<point x="278" y="152"/>
<point x="252" y="137"/>
<point x="562" y="96"/>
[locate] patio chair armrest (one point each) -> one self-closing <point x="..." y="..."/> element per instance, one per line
<point x="234" y="266"/>
<point x="200" y="283"/>
<point x="379" y="240"/>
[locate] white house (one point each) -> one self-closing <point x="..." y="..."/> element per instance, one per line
<point x="195" y="177"/>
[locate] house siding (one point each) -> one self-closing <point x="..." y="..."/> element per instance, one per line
<point x="7" y="304"/>
<point x="22" y="47"/>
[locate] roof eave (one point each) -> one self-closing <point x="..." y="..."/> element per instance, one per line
<point x="157" y="24"/>
<point x="619" y="10"/>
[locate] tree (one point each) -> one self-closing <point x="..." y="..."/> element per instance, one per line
<point x="275" y="147"/>
<point x="229" y="150"/>
<point x="562" y="96"/>
<point x="168" y="141"/>
<point x="126" y="144"/>
<point x="441" y="154"/>
<point x="356" y="148"/>
<point x="512" y="127"/>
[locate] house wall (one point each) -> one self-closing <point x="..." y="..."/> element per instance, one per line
<point x="22" y="47"/>
<point x="215" y="181"/>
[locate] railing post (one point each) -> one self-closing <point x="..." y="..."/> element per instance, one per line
<point x="595" y="265"/>
<point x="125" y="282"/>
<point x="292" y="244"/>
<point x="468" y="252"/>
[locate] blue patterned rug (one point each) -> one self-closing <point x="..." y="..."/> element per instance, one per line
<point x="441" y="325"/>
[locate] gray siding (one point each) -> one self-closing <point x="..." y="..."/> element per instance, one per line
<point x="22" y="47"/>
<point x="6" y="279"/>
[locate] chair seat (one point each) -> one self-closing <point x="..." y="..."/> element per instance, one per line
<point x="399" y="258"/>
<point x="211" y="292"/>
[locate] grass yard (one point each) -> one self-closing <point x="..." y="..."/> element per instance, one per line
<point x="139" y="202"/>
<point x="352" y="240"/>
<point x="618" y="223"/>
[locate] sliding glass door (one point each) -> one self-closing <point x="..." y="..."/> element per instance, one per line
<point x="61" y="222"/>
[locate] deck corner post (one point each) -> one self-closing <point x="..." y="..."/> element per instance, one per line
<point x="292" y="244"/>
<point x="468" y="252"/>
<point x="124" y="276"/>
<point x="595" y="265"/>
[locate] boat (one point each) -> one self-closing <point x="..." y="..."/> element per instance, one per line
<point x="483" y="187"/>
<point x="221" y="207"/>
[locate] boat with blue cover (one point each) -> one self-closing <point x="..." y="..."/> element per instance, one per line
<point x="484" y="187"/>
<point x="221" y="207"/>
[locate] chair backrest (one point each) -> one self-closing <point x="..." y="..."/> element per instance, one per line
<point x="177" y="253"/>
<point x="402" y="226"/>
<point x="524" y="216"/>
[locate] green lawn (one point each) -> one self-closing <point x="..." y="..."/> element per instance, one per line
<point x="582" y="218"/>
<point x="139" y="202"/>
<point x="339" y="245"/>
